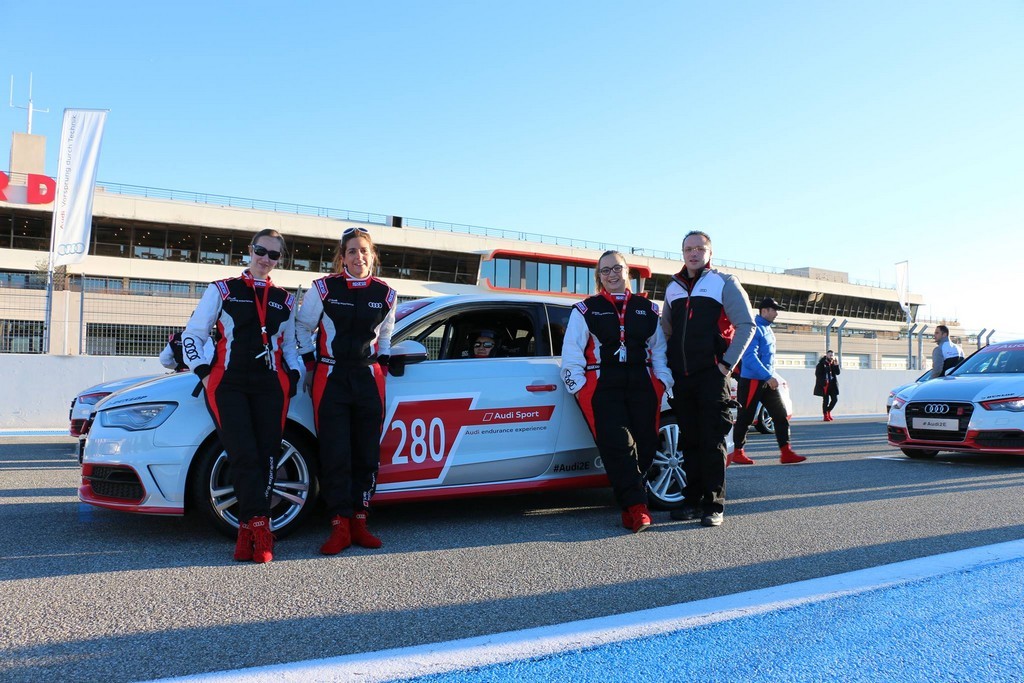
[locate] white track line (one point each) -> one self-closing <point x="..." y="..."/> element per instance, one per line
<point x="535" y="642"/>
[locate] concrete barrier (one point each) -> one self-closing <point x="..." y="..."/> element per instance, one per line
<point x="861" y="392"/>
<point x="40" y="388"/>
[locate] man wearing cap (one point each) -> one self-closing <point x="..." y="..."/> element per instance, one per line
<point x="758" y="384"/>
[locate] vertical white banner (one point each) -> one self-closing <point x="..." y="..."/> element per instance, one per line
<point x="80" y="140"/>
<point x="903" y="286"/>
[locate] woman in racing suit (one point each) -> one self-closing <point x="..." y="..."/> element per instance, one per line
<point x="353" y="314"/>
<point x="248" y="384"/>
<point x="613" y="362"/>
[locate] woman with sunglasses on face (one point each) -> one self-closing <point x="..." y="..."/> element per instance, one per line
<point x="353" y="314"/>
<point x="484" y="345"/>
<point x="254" y="373"/>
<point x="613" y="362"/>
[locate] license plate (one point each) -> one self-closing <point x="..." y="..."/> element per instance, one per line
<point x="949" y="424"/>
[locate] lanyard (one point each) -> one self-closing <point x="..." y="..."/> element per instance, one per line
<point x="621" y="353"/>
<point x="261" y="312"/>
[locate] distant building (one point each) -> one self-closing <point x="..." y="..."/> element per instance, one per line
<point x="152" y="253"/>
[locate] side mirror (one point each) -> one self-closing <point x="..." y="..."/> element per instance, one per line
<point x="405" y="353"/>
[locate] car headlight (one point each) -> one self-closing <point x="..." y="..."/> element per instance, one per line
<point x="1014" y="405"/>
<point x="138" y="417"/>
<point x="898" y="402"/>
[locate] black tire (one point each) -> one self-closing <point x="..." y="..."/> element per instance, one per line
<point x="765" y="423"/>
<point x="295" y="488"/>
<point x="666" y="479"/>
<point x="919" y="454"/>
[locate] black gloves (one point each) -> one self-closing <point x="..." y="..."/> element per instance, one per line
<point x="293" y="382"/>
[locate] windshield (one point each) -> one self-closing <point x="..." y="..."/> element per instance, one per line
<point x="407" y="307"/>
<point x="995" y="359"/>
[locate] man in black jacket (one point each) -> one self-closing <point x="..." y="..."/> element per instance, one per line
<point x="708" y="323"/>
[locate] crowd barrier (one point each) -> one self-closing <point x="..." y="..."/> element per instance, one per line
<point x="40" y="387"/>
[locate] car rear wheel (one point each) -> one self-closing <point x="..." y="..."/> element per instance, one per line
<point x="666" y="479"/>
<point x="292" y="499"/>
<point x="919" y="454"/>
<point x="765" y="423"/>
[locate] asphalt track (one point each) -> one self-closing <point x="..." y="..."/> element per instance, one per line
<point x="95" y="595"/>
<point x="963" y="609"/>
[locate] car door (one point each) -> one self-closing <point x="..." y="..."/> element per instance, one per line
<point x="456" y="420"/>
<point x="574" y="447"/>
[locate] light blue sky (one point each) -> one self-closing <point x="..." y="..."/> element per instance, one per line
<point x="846" y="136"/>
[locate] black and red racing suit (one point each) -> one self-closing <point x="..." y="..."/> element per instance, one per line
<point x="613" y="362"/>
<point x="250" y="378"/>
<point x="353" y="319"/>
<point x="707" y="321"/>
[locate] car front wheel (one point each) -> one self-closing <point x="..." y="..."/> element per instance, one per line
<point x="292" y="498"/>
<point x="666" y="479"/>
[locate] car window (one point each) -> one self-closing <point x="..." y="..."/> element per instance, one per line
<point x="554" y="333"/>
<point x="994" y="360"/>
<point x="451" y="334"/>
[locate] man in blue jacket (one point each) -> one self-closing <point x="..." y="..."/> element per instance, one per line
<point x="758" y="384"/>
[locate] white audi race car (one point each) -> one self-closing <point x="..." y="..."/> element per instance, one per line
<point x="453" y="425"/>
<point x="978" y="407"/>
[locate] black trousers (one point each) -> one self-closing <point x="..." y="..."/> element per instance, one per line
<point x="349" y="412"/>
<point x="828" y="402"/>
<point x="701" y="405"/>
<point x="249" y="415"/>
<point x="625" y="411"/>
<point x="750" y="392"/>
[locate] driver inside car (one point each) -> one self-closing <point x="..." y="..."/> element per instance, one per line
<point x="484" y="345"/>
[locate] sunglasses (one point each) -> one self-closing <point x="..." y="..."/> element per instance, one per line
<point x="352" y="231"/>
<point x="263" y="251"/>
<point x="486" y="345"/>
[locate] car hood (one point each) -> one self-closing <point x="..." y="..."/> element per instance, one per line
<point x="968" y="388"/>
<point x="118" y="384"/>
<point x="160" y="388"/>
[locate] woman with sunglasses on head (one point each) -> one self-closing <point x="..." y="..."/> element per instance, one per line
<point x="613" y="362"/>
<point x="353" y="313"/>
<point x="248" y="384"/>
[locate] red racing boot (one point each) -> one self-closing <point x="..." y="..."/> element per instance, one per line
<point x="360" y="534"/>
<point x="243" y="546"/>
<point x="789" y="457"/>
<point x="262" y="540"/>
<point x="627" y="519"/>
<point x="738" y="457"/>
<point x="340" y="538"/>
<point x="640" y="517"/>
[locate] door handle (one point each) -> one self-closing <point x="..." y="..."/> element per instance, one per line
<point x="535" y="388"/>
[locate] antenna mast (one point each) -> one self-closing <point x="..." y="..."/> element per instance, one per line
<point x="29" y="107"/>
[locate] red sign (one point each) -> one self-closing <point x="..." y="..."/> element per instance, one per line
<point x="39" y="189"/>
<point x="421" y="434"/>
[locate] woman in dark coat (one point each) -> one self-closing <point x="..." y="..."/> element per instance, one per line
<point x="826" y="385"/>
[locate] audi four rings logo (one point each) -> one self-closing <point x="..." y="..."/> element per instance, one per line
<point x="70" y="248"/>
<point x="936" y="409"/>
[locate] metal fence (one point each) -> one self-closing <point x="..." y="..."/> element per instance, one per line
<point x="91" y="319"/>
<point x="22" y="313"/>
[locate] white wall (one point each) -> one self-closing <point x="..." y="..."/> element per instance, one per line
<point x="861" y="392"/>
<point x="40" y="388"/>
